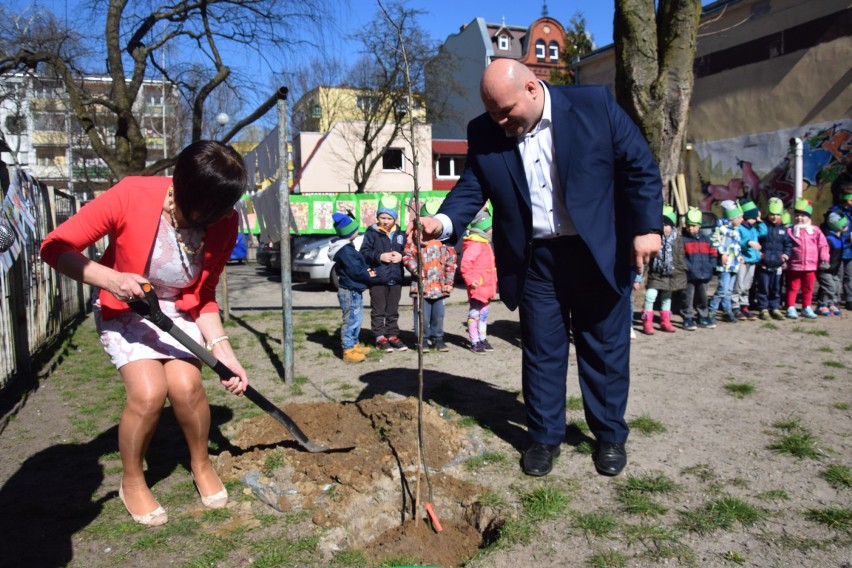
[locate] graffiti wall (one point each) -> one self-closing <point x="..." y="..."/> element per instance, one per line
<point x="760" y="166"/>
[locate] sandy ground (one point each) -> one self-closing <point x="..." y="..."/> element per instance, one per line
<point x="714" y="445"/>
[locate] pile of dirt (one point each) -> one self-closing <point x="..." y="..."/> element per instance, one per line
<point x="363" y="490"/>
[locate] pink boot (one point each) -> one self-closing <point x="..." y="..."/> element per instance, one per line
<point x="666" y="321"/>
<point x="648" y="322"/>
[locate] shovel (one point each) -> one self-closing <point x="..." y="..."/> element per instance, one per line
<point x="151" y="312"/>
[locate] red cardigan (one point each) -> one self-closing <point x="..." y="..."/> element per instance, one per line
<point x="129" y="212"/>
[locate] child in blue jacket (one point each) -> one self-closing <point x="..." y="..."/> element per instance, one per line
<point x="836" y="229"/>
<point x="701" y="259"/>
<point x="748" y="229"/>
<point x="774" y="252"/>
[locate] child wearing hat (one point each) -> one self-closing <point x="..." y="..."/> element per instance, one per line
<point x="382" y="248"/>
<point x="666" y="274"/>
<point x="844" y="207"/>
<point x="700" y="258"/>
<point x="354" y="277"/>
<point x="774" y="252"/>
<point x="808" y="251"/>
<point x="438" y="276"/>
<point x="726" y="240"/>
<point x="836" y="229"/>
<point x="749" y="241"/>
<point x="480" y="275"/>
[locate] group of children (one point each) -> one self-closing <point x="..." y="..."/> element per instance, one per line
<point x="378" y="266"/>
<point x="762" y="265"/>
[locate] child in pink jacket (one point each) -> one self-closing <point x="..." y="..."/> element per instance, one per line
<point x="809" y="252"/>
<point x="480" y="276"/>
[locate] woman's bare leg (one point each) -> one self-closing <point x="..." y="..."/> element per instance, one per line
<point x="146" y="389"/>
<point x="189" y="401"/>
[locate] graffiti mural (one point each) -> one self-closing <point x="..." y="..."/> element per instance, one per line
<point x="760" y="166"/>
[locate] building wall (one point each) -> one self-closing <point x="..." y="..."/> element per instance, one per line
<point x="766" y="71"/>
<point x="330" y="167"/>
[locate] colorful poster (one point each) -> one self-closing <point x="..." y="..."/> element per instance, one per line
<point x="323" y="208"/>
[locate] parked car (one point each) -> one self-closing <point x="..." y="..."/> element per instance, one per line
<point x="312" y="265"/>
<point x="269" y="253"/>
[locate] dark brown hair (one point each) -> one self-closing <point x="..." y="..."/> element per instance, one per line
<point x="209" y="179"/>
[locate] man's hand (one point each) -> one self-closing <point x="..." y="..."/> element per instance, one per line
<point x="432" y="229"/>
<point x="645" y="247"/>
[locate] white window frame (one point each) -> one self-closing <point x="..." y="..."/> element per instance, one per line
<point x="503" y="42"/>
<point x="540" y="51"/>
<point x="554" y="51"/>
<point x="452" y="161"/>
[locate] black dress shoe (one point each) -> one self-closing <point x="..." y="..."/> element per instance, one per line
<point x="610" y="458"/>
<point x="538" y="459"/>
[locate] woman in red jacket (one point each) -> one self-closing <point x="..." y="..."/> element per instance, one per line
<point x="177" y="234"/>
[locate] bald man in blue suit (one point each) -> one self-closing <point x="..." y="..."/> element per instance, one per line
<point x="577" y="203"/>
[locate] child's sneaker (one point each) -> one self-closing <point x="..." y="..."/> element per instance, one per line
<point x="632" y="333"/>
<point x="777" y="314"/>
<point x="764" y="314"/>
<point x="352" y="356"/>
<point x="809" y="313"/>
<point x="739" y="315"/>
<point x="835" y="310"/>
<point x="383" y="345"/>
<point x="749" y="315"/>
<point x="441" y="346"/>
<point x="426" y="345"/>
<point x="689" y="324"/>
<point x="731" y="317"/>
<point x="707" y="323"/>
<point x="485" y="344"/>
<point x="477" y="347"/>
<point x="396" y="343"/>
<point x="824" y="311"/>
<point x="792" y="313"/>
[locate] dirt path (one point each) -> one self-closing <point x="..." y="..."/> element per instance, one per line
<point x="713" y="448"/>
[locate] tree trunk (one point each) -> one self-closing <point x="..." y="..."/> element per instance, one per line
<point x="654" y="55"/>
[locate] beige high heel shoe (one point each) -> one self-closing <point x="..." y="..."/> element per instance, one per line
<point x="215" y="501"/>
<point x="155" y="518"/>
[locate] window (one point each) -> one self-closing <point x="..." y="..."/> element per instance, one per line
<point x="503" y="42"/>
<point x="539" y="50"/>
<point x="16" y="124"/>
<point x="392" y="159"/>
<point x="317" y="111"/>
<point x="366" y="102"/>
<point x="554" y="51"/>
<point x="449" y="166"/>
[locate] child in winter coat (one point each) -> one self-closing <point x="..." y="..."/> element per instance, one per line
<point x="438" y="275"/>
<point x="700" y="258"/>
<point x="809" y="251"/>
<point x="774" y="252"/>
<point x="354" y="277"/>
<point x="837" y="233"/>
<point x="844" y="207"/>
<point x="480" y="276"/>
<point x="666" y="275"/>
<point x="382" y="249"/>
<point x="749" y="232"/>
<point x="726" y="239"/>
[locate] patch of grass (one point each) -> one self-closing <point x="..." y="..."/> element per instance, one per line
<point x="789" y="542"/>
<point x="515" y="531"/>
<point x="818" y="331"/>
<point x="720" y="514"/>
<point x="646" y="425"/>
<point x="467" y="421"/>
<point x="353" y="558"/>
<point x="663" y="551"/>
<point x="585" y="448"/>
<point x="298" y="382"/>
<point x="636" y="503"/>
<point x="825" y="349"/>
<point x="838" y="475"/>
<point x="833" y="518"/>
<point x="834" y="364"/>
<point x="733" y="556"/>
<point x="702" y="471"/>
<point x="648" y="534"/>
<point x="634" y="496"/>
<point x="486" y="459"/>
<point x="574" y="403"/>
<point x="580" y="425"/>
<point x="739" y="390"/>
<point x="275" y="551"/>
<point x="828" y="377"/>
<point x="216" y="515"/>
<point x="491" y="499"/>
<point x="608" y="559"/>
<point x="545" y="503"/>
<point x="274" y="460"/>
<point x="848" y="347"/>
<point x="400" y="560"/>
<point x="841" y="405"/>
<point x="596" y="524"/>
<point x="773" y="495"/>
<point x="769" y="325"/>
<point x="796" y="441"/>
<point x="650" y="484"/>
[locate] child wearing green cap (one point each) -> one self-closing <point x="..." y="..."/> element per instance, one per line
<point x="844" y="207"/>
<point x="726" y="239"/>
<point x="749" y="232"/>
<point x="438" y="276"/>
<point x="700" y="257"/>
<point x="480" y="275"/>
<point x="808" y="251"/>
<point x="774" y="252"/>
<point x="666" y="275"/>
<point x="836" y="230"/>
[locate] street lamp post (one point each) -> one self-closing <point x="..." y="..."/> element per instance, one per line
<point x="222" y="119"/>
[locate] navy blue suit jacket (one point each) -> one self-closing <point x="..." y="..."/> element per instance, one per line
<point x="609" y="179"/>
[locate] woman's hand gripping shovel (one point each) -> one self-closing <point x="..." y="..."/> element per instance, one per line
<point x="150" y="310"/>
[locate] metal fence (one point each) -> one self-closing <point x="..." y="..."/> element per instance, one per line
<point x="37" y="302"/>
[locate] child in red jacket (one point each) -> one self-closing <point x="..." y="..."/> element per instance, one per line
<point x="480" y="276"/>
